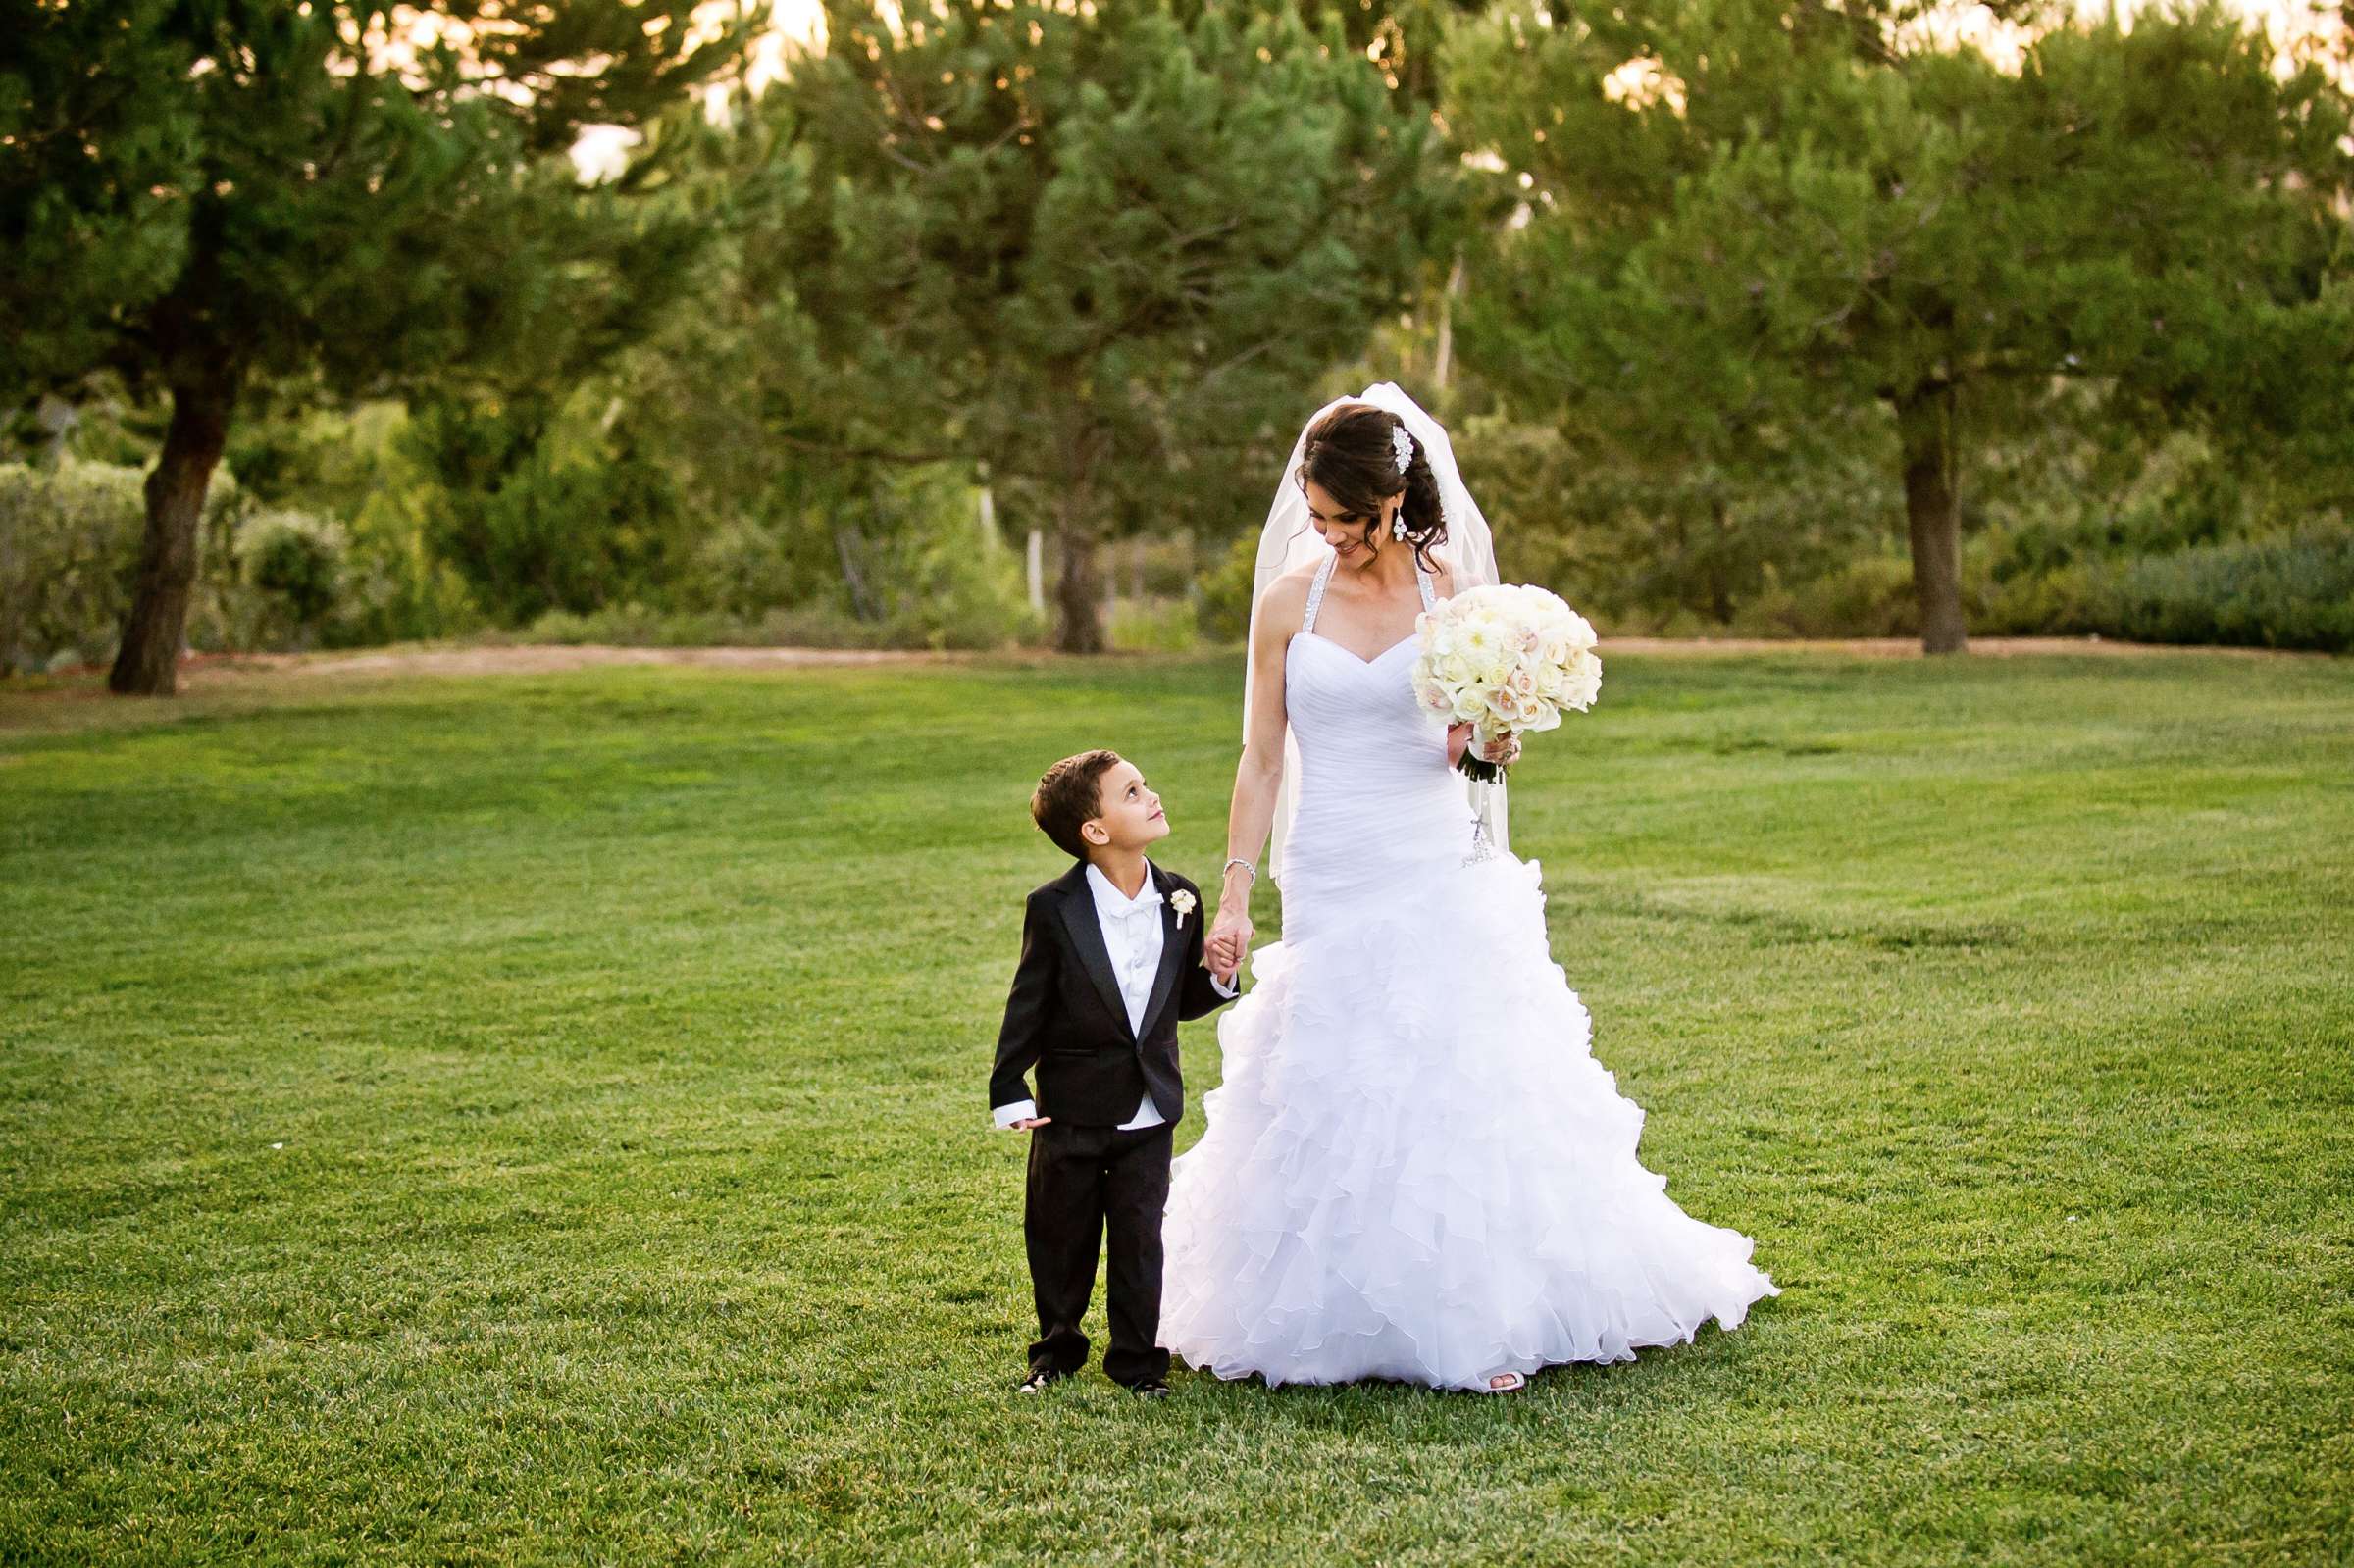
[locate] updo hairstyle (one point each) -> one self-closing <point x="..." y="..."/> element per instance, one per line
<point x="1350" y="452"/>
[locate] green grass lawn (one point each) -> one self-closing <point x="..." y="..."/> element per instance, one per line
<point x="542" y="1119"/>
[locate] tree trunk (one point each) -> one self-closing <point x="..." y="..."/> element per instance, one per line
<point x="1720" y="592"/>
<point x="1079" y="595"/>
<point x="147" y="664"/>
<point x="847" y="542"/>
<point x="1086" y="583"/>
<point x="1444" y="367"/>
<point x="1924" y="420"/>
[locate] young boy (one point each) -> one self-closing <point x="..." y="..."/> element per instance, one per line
<point x="1112" y="960"/>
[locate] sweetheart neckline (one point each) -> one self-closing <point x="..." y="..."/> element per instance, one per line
<point x="1364" y="662"/>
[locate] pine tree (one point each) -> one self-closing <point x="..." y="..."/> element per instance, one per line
<point x="218" y="190"/>
<point x="1102" y="252"/>
<point x="1759" y="218"/>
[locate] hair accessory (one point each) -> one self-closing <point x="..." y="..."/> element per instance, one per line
<point x="1404" y="445"/>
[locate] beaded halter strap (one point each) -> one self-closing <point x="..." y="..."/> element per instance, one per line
<point x="1316" y="592"/>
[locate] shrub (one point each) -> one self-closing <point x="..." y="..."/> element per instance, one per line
<point x="636" y="626"/>
<point x="2054" y="602"/>
<point x="960" y="594"/>
<point x="630" y="626"/>
<point x="1151" y="626"/>
<point x="70" y="540"/>
<point x="1223" y="611"/>
<point x="69" y="543"/>
<point x="1870" y="596"/>
<point x="286" y="582"/>
<point x="556" y="535"/>
<point x="295" y="554"/>
<point x="2290" y="593"/>
<point x="739" y="569"/>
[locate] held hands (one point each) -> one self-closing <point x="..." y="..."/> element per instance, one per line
<point x="1225" y="955"/>
<point x="1229" y="939"/>
<point x="1027" y="1123"/>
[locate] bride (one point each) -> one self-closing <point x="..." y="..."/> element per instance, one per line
<point x="1414" y="1168"/>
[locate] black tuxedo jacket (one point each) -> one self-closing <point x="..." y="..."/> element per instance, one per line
<point x="1065" y="1015"/>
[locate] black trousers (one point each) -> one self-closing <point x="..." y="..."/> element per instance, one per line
<point x="1086" y="1182"/>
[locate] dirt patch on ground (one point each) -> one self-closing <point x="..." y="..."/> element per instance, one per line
<point x="1910" y="647"/>
<point x="219" y="672"/>
<point x="536" y="660"/>
<point x="226" y="672"/>
<point x="54" y="700"/>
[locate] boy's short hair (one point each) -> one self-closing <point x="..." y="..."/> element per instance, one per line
<point x="1071" y="792"/>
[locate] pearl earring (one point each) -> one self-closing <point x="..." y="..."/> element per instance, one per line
<point x="1397" y="526"/>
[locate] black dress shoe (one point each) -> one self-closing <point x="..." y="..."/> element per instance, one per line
<point x="1039" y="1378"/>
<point x="1149" y="1389"/>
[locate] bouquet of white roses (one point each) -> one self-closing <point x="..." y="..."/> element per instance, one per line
<point x="1505" y="658"/>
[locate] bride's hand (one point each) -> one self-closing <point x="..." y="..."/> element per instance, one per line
<point x="1503" y="750"/>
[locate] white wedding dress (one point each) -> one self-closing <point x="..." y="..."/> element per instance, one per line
<point x="1414" y="1168"/>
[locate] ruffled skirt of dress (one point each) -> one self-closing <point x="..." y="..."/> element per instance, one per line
<point x="1414" y="1168"/>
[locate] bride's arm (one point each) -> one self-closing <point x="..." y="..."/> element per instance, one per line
<point x="1442" y="585"/>
<point x="1260" y="770"/>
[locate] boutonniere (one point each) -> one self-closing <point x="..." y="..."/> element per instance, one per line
<point x="1183" y="902"/>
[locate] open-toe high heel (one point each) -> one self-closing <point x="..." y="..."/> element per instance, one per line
<point x="1506" y="1382"/>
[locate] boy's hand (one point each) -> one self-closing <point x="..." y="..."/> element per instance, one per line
<point x="1027" y="1123"/>
<point x="1225" y="955"/>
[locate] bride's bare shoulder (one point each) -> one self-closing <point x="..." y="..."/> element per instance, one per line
<point x="1442" y="576"/>
<point x="1285" y="601"/>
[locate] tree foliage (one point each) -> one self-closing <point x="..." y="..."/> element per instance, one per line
<point x="1750" y="225"/>
<point x="1103" y="253"/>
<point x="266" y="190"/>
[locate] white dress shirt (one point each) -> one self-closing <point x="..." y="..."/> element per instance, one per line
<point x="1133" y="937"/>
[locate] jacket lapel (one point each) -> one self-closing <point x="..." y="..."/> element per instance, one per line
<point x="1086" y="940"/>
<point x="1172" y="946"/>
